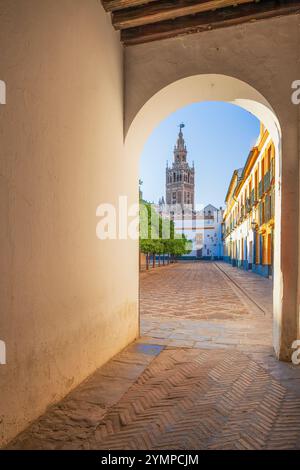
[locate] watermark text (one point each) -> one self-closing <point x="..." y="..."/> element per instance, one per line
<point x="2" y="92"/>
<point x="296" y="94"/>
<point x="296" y="353"/>
<point x="2" y="353"/>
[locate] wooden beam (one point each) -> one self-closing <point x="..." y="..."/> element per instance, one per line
<point x="112" y="5"/>
<point x="210" y="20"/>
<point x="167" y="10"/>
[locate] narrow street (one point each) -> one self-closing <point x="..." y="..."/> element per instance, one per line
<point x="206" y="305"/>
<point x="201" y="376"/>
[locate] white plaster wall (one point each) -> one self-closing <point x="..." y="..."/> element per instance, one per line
<point x="68" y="302"/>
<point x="212" y="245"/>
<point x="264" y="55"/>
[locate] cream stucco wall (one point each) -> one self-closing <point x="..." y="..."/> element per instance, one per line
<point x="264" y="55"/>
<point x="67" y="303"/>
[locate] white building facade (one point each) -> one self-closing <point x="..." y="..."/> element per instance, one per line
<point x="204" y="229"/>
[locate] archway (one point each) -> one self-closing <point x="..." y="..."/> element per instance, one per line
<point x="213" y="87"/>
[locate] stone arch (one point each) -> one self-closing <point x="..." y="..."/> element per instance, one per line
<point x="217" y="87"/>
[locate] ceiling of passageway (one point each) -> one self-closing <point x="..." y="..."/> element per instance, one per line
<point x="143" y="21"/>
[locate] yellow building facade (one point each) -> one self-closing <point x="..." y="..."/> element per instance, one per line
<point x="248" y="225"/>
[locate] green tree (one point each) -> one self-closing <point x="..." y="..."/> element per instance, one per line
<point x="158" y="236"/>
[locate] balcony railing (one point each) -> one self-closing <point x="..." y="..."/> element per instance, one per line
<point x="248" y="205"/>
<point x="267" y="211"/>
<point x="272" y="204"/>
<point x="272" y="169"/>
<point x="260" y="213"/>
<point x="260" y="189"/>
<point x="267" y="181"/>
<point x="253" y="197"/>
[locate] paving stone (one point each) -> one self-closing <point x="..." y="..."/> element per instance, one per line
<point x="192" y="312"/>
<point x="212" y="345"/>
<point x="209" y="381"/>
<point x="184" y="399"/>
<point x="180" y="342"/>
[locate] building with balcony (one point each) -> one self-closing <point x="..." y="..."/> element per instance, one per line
<point x="248" y="223"/>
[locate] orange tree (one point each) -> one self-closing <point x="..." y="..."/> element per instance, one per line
<point x="158" y="236"/>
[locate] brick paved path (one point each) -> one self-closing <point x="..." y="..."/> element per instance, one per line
<point x="198" y="390"/>
<point x="206" y="305"/>
<point x="195" y="291"/>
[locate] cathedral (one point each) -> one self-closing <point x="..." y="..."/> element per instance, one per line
<point x="202" y="225"/>
<point x="180" y="178"/>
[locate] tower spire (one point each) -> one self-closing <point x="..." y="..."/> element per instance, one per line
<point x="180" y="151"/>
<point x="180" y="178"/>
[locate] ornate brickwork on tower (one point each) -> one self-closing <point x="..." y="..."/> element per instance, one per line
<point x="180" y="178"/>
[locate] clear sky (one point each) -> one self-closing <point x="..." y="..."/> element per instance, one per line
<point x="218" y="137"/>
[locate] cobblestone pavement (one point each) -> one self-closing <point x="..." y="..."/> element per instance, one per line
<point x="196" y="391"/>
<point x="206" y="305"/>
<point x="185" y="290"/>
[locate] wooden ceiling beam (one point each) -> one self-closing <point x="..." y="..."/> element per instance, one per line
<point x="209" y="20"/>
<point x="113" y="5"/>
<point x="167" y="10"/>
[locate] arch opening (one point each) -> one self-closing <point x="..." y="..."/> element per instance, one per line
<point x="212" y="87"/>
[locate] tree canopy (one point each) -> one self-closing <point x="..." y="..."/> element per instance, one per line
<point x="158" y="235"/>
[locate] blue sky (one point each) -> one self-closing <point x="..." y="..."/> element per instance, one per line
<point x="218" y="136"/>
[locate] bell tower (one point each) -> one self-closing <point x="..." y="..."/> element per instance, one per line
<point x="180" y="178"/>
